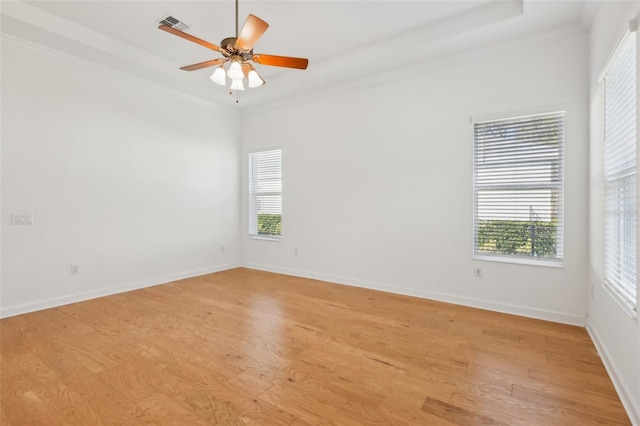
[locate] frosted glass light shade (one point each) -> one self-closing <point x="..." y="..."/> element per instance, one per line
<point x="254" y="79"/>
<point x="237" y="85"/>
<point x="235" y="71"/>
<point x="219" y="76"/>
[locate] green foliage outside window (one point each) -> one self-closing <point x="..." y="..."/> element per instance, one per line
<point x="269" y="224"/>
<point x="515" y="237"/>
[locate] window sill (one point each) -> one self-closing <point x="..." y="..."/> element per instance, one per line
<point x="549" y="263"/>
<point x="265" y="238"/>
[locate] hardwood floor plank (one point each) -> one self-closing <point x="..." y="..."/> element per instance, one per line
<point x="58" y="396"/>
<point x="263" y="413"/>
<point x="499" y="408"/>
<point x="247" y="347"/>
<point x="456" y="415"/>
<point x="400" y="413"/>
<point x="355" y="413"/>
<point x="112" y="406"/>
<point x="578" y="408"/>
<point x="136" y="383"/>
<point x="561" y="390"/>
<point x="4" y="421"/>
<point x="574" y="379"/>
<point x="33" y="369"/>
<point x="159" y="409"/>
<point x="313" y="406"/>
<point x="12" y="386"/>
<point x="82" y="415"/>
<point x="27" y="408"/>
<point x="213" y="410"/>
<point x="68" y="404"/>
<point x="366" y="377"/>
<point x="352" y="391"/>
<point x="412" y="390"/>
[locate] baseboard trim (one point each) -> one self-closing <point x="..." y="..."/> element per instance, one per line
<point x="524" y="311"/>
<point x="108" y="291"/>
<point x="630" y="405"/>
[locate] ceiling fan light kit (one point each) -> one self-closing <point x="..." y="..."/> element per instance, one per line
<point x="237" y="85"/>
<point x="219" y="76"/>
<point x="254" y="79"/>
<point x="237" y="52"/>
<point x="235" y="70"/>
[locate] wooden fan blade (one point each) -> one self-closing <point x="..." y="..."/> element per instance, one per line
<point x="252" y="30"/>
<point x="204" y="64"/>
<point x="189" y="37"/>
<point x="281" y="61"/>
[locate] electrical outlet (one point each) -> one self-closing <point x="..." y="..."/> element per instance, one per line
<point x="477" y="272"/>
<point x="295" y="251"/>
<point x="74" y="269"/>
<point x="22" y="218"/>
<point x="221" y="249"/>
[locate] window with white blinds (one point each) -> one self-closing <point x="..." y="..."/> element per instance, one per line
<point x="265" y="194"/>
<point x="620" y="168"/>
<point x="518" y="188"/>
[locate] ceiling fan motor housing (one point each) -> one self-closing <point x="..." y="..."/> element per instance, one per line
<point x="228" y="43"/>
<point x="229" y="49"/>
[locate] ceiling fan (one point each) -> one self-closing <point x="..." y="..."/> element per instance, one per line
<point x="238" y="51"/>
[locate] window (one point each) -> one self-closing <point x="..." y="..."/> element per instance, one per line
<point x="518" y="184"/>
<point x="620" y="168"/>
<point x="265" y="194"/>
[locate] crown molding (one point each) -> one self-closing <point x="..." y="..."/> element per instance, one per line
<point x="425" y="67"/>
<point x="106" y="70"/>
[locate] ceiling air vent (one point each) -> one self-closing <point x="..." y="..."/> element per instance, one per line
<point x="174" y="23"/>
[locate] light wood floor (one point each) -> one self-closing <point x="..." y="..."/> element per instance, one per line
<point x="244" y="347"/>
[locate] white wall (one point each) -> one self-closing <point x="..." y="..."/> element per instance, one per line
<point x="616" y="334"/>
<point x="378" y="181"/>
<point x="136" y="184"/>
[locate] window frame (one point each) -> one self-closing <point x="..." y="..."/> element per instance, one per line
<point x="252" y="221"/>
<point x="612" y="185"/>
<point x="556" y="262"/>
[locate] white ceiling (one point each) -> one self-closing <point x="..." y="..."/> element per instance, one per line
<point x="347" y="42"/>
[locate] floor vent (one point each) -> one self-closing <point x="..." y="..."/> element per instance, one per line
<point x="175" y="23"/>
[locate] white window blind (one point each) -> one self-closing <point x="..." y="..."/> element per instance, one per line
<point x="265" y="194"/>
<point x="620" y="168"/>
<point x="518" y="188"/>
